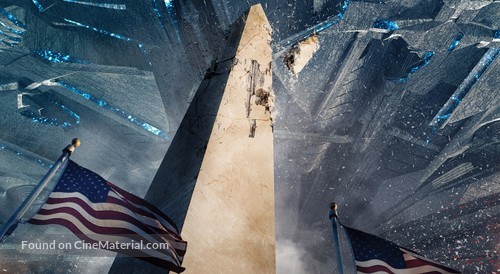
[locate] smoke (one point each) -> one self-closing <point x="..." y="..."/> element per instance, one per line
<point x="290" y="257"/>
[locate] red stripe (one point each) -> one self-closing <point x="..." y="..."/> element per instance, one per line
<point x="130" y="252"/>
<point x="125" y="232"/>
<point x="416" y="262"/>
<point x="141" y="211"/>
<point x="142" y="202"/>
<point x="115" y="215"/>
<point x="119" y="202"/>
<point x="374" y="268"/>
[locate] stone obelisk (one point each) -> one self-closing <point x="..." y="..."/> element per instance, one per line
<point x="230" y="221"/>
<point x="216" y="180"/>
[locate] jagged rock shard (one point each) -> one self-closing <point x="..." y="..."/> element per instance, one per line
<point x="300" y="54"/>
<point x="230" y="220"/>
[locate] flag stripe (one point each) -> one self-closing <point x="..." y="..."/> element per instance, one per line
<point x="374" y="266"/>
<point x="413" y="259"/>
<point x="114" y="204"/>
<point x="56" y="205"/>
<point x="91" y="231"/>
<point x="78" y="229"/>
<point x="115" y="198"/>
<point x="112" y="218"/>
<point x="143" y="203"/>
<point x="129" y="230"/>
<point x="373" y="254"/>
<point x="145" y="212"/>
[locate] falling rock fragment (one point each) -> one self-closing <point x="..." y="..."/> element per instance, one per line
<point x="300" y="54"/>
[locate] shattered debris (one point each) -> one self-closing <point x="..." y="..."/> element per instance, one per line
<point x="300" y="54"/>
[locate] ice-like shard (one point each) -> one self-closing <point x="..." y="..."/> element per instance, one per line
<point x="425" y="61"/>
<point x="38" y="5"/>
<point x="12" y="30"/>
<point x="10" y="37"/>
<point x="455" y="43"/>
<point x="101" y="31"/>
<point x="385" y="24"/>
<point x="56" y="57"/>
<point x="35" y="112"/>
<point x="101" y="103"/>
<point x="172" y="16"/>
<point x="12" y="18"/>
<point x="471" y="79"/>
<point x="30" y="157"/>
<point x="9" y="43"/>
<point x="100" y="5"/>
<point x="315" y="29"/>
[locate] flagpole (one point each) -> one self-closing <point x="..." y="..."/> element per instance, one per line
<point x="336" y="239"/>
<point x="11" y="224"/>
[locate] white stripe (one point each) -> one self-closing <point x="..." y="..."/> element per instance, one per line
<point x="108" y="223"/>
<point x="414" y="270"/>
<point x="115" y="207"/>
<point x="105" y="237"/>
<point x="148" y="220"/>
<point x="408" y="255"/>
<point x="160" y="218"/>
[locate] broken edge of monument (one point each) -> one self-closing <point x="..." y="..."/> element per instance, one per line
<point x="297" y="57"/>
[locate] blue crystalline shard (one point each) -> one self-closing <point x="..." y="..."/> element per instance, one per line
<point x="10" y="37"/>
<point x="99" y="5"/>
<point x="455" y="42"/>
<point x="427" y="58"/>
<point x="316" y="28"/>
<point x="101" y="31"/>
<point x="56" y="57"/>
<point x="169" y="3"/>
<point x="119" y="112"/>
<point x="38" y="5"/>
<point x="425" y="61"/>
<point x="464" y="88"/>
<point x="14" y="31"/>
<point x="8" y="43"/>
<point x="385" y="24"/>
<point x="323" y="26"/>
<point x="497" y="34"/>
<point x="29" y="157"/>
<point x="12" y="18"/>
<point x="51" y="121"/>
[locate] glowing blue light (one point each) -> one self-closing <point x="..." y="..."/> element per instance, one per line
<point x="120" y="113"/>
<point x="56" y="57"/>
<point x="284" y="43"/>
<point x="425" y="61"/>
<point x="18" y="32"/>
<point x="38" y="5"/>
<point x="100" y="5"/>
<point x="456" y="41"/>
<point x="53" y="121"/>
<point x="471" y="79"/>
<point x="101" y="31"/>
<point x="12" y="38"/>
<point x="10" y="44"/>
<point x="26" y="156"/>
<point x="323" y="26"/>
<point x="169" y="3"/>
<point x="12" y="18"/>
<point x="385" y="24"/>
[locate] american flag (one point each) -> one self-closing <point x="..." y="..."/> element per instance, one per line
<point x="103" y="214"/>
<point x="376" y="255"/>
